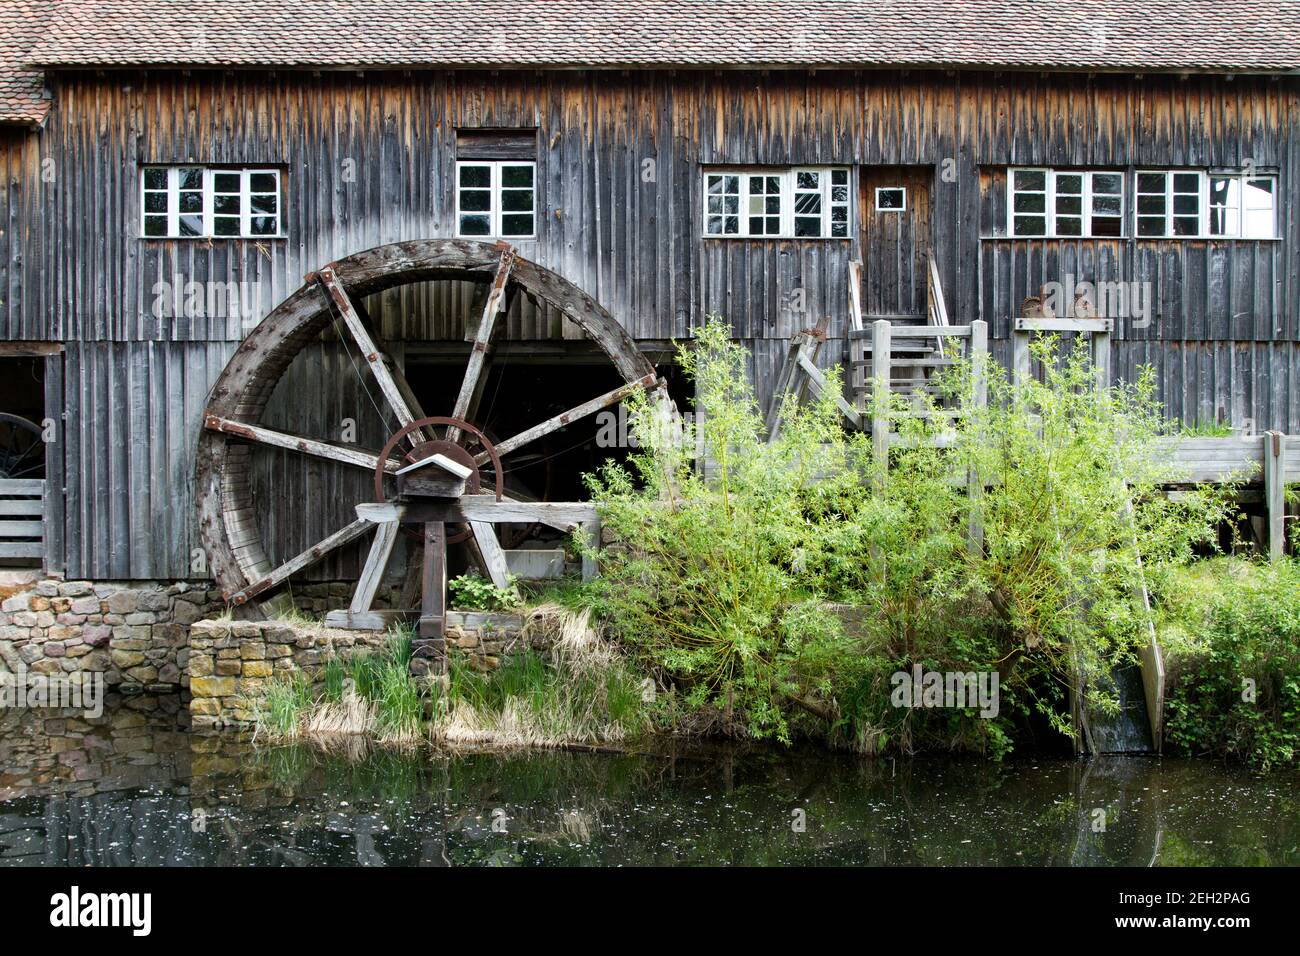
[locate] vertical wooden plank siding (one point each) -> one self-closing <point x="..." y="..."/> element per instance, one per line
<point x="370" y="158"/>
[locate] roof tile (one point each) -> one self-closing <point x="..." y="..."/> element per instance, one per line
<point x="1149" y="35"/>
<point x="22" y="90"/>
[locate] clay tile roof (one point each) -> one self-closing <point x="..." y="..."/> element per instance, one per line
<point x="1136" y="35"/>
<point x="22" y="90"/>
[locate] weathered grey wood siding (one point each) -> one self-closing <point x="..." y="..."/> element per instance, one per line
<point x="369" y="160"/>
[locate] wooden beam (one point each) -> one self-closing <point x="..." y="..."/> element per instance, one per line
<point x="855" y="296"/>
<point x="370" y="351"/>
<point x="373" y="571"/>
<point x="489" y="551"/>
<point x="1021" y="367"/>
<point x="1023" y="324"/>
<point x="881" y="350"/>
<point x="479" y="508"/>
<point x="1275" y="492"/>
<point x="367" y="620"/>
<point x="818" y="382"/>
<point x="367" y="460"/>
<point x="470" y="385"/>
<point x="30" y="349"/>
<point x="21" y="529"/>
<point x="979" y="397"/>
<point x="22" y="486"/>
<point x="433" y="602"/>
<point x="515" y="442"/>
<point x="299" y="561"/>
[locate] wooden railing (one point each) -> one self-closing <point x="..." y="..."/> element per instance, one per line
<point x="22" y="530"/>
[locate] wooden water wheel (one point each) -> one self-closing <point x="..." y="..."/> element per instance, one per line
<point x="228" y="508"/>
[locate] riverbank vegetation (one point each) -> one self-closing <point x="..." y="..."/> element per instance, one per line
<point x="1231" y="635"/>
<point x="776" y="590"/>
<point x="731" y="581"/>
<point x="582" y="691"/>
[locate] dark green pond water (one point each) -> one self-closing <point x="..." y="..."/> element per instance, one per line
<point x="137" y="788"/>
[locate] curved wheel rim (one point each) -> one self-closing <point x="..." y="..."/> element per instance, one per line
<point x="229" y="525"/>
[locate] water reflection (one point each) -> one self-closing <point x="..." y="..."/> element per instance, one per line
<point x="136" y="787"/>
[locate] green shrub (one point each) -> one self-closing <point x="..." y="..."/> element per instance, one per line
<point x="472" y="592"/>
<point x="1232" y="639"/>
<point x="722" y="577"/>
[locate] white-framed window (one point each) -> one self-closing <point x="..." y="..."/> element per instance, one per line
<point x="1066" y="203"/>
<point x="199" y="202"/>
<point x="496" y="199"/>
<point x="1200" y="204"/>
<point x="891" y="199"/>
<point x="804" y="203"/>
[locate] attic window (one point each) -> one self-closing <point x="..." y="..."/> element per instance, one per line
<point x="810" y="203"/>
<point x="496" y="199"/>
<point x="197" y="202"/>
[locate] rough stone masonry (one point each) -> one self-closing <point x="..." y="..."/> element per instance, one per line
<point x="135" y="633"/>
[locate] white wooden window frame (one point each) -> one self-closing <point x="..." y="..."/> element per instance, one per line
<point x="789" y="177"/>
<point x="208" y="215"/>
<point x="1050" y="212"/>
<point x="1203" y="203"/>
<point x="495" y="190"/>
<point x="891" y="189"/>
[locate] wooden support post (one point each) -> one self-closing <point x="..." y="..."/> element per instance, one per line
<point x="979" y="397"/>
<point x="1020" y="366"/>
<point x="1275" y="492"/>
<point x="376" y="562"/>
<point x="881" y="350"/>
<point x="430" y="644"/>
<point x="1101" y="359"/>
<point x="592" y="531"/>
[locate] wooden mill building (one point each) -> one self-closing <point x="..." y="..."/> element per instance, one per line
<point x="176" y="172"/>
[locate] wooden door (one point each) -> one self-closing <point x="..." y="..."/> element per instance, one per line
<point x="895" y="218"/>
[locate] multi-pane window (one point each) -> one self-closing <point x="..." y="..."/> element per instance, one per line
<point x="1066" y="203"/>
<point x="496" y="199"/>
<point x="1193" y="203"/>
<point x="196" y="202"/>
<point x="782" y="203"/>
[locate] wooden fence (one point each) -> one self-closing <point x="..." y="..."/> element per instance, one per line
<point x="22" y="530"/>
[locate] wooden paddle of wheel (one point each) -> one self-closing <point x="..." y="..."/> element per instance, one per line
<point x="228" y="520"/>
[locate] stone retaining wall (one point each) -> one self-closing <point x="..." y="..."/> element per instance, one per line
<point x="135" y="633"/>
<point x="485" y="638"/>
<point x="232" y="663"/>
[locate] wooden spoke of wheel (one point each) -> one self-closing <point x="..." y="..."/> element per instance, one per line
<point x="392" y="383"/>
<point x="471" y="384"/>
<point x="515" y="442"/>
<point x="298" y="562"/>
<point x="381" y="549"/>
<point x="358" y="458"/>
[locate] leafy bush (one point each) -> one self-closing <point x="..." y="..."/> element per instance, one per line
<point x="725" y="577"/>
<point x="1232" y="639"/>
<point x="472" y="592"/>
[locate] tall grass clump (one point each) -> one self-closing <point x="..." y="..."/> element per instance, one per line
<point x="370" y="694"/>
<point x="585" y="693"/>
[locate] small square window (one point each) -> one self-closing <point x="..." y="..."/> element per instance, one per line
<point x="891" y="198"/>
<point x="496" y="198"/>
